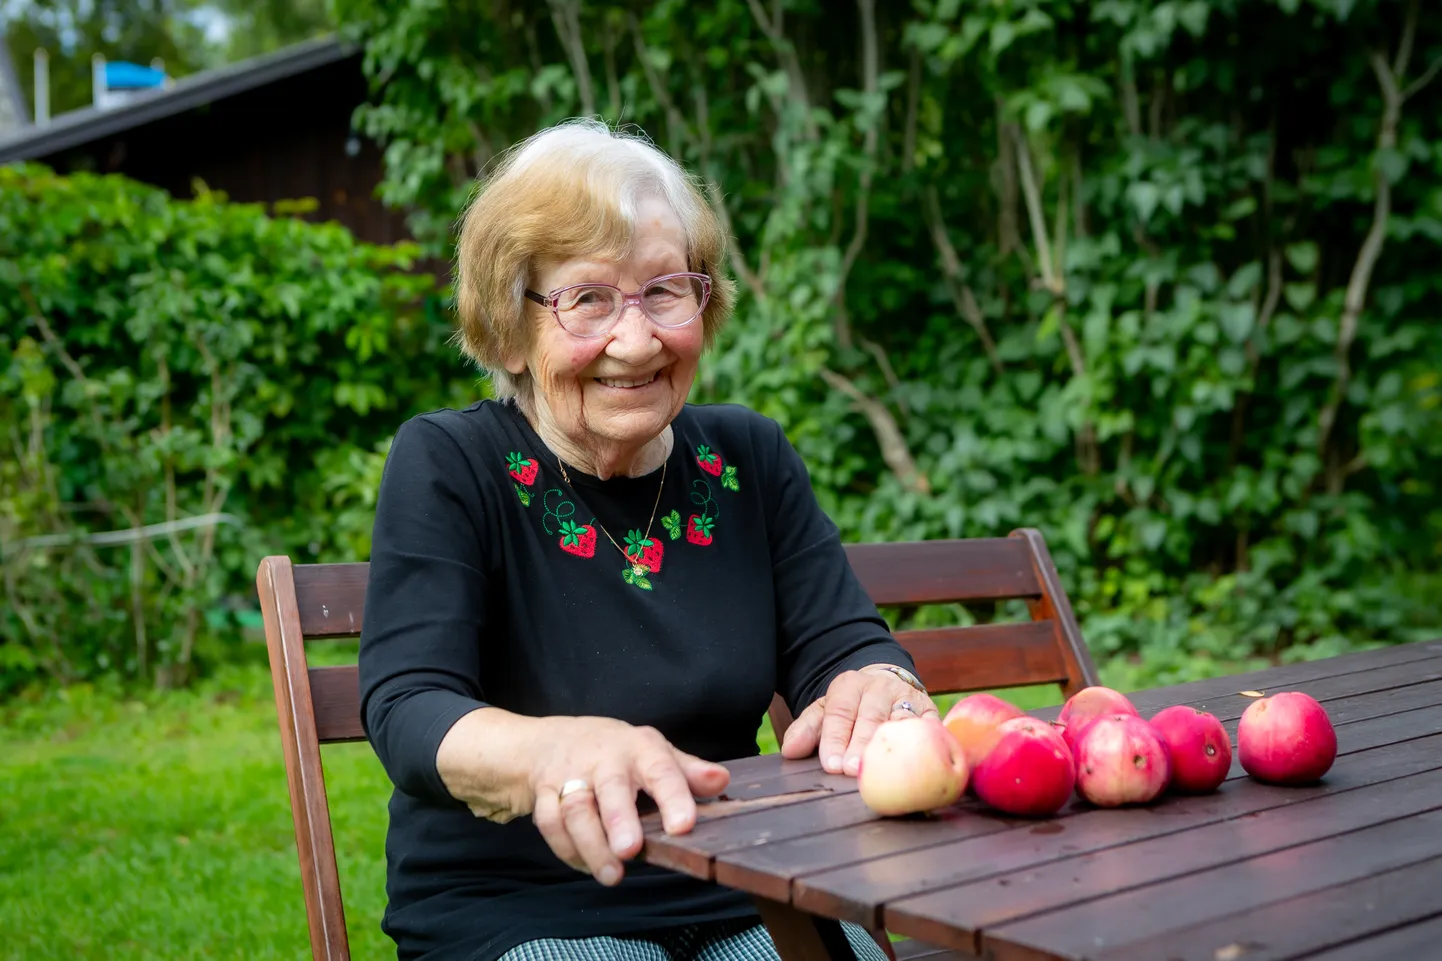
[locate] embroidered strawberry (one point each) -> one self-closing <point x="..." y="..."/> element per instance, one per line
<point x="578" y="539"/>
<point x="672" y="523"/>
<point x="709" y="461"/>
<point x="698" y="529"/>
<point x="645" y="551"/>
<point x="522" y="468"/>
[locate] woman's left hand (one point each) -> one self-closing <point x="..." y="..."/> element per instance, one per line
<point x="843" y="719"/>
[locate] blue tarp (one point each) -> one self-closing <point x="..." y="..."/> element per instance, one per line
<point x="132" y="76"/>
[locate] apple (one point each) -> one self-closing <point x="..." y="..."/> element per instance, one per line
<point x="1029" y="771"/>
<point x="1121" y="760"/>
<point x="1286" y="739"/>
<point x="973" y="721"/>
<point x="909" y="765"/>
<point x="1197" y="746"/>
<point x="1087" y="704"/>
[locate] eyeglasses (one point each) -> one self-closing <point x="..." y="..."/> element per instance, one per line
<point x="590" y="310"/>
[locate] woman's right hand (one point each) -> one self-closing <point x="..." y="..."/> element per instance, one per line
<point x="596" y="827"/>
<point x="504" y="765"/>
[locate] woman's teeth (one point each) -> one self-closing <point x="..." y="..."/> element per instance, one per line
<point x="634" y="382"/>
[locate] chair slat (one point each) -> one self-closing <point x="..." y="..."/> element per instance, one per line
<point x="937" y="572"/>
<point x="336" y="692"/>
<point x="331" y="598"/>
<point x="954" y="659"/>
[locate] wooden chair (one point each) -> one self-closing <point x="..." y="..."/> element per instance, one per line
<point x="321" y="705"/>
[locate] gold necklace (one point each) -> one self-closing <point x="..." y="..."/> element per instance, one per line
<point x="635" y="573"/>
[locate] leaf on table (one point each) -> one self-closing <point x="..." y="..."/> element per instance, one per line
<point x="1252" y="693"/>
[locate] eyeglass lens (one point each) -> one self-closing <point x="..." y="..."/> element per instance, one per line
<point x="669" y="301"/>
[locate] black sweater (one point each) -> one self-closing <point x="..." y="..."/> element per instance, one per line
<point x="492" y="582"/>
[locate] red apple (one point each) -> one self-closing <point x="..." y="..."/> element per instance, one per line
<point x="909" y="765"/>
<point x="1086" y="705"/>
<point x="1286" y="739"/>
<point x="1197" y="746"/>
<point x="973" y="722"/>
<point x="1121" y="760"/>
<point x="1029" y="771"/>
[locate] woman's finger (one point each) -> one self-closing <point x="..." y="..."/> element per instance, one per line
<point x="878" y="698"/>
<point x="547" y="818"/>
<point x="616" y="802"/>
<point x="805" y="731"/>
<point x="583" y="823"/>
<point x="659" y="773"/>
<point x="843" y="700"/>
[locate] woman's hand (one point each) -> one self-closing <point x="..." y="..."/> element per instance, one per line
<point x="842" y="721"/>
<point x="596" y="825"/>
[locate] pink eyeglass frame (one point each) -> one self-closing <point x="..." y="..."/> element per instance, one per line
<point x="549" y="301"/>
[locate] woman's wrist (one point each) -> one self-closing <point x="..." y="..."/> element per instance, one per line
<point x="896" y="671"/>
<point x="484" y="762"/>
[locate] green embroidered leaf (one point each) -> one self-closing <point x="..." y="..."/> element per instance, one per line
<point x="637" y="541"/>
<point x="728" y="479"/>
<point x="515" y="461"/>
<point x="571" y="532"/>
<point x="522" y="494"/>
<point x="704" y="523"/>
<point x="703" y="454"/>
<point x="642" y="583"/>
<point x="672" y="523"/>
<point x="628" y="575"/>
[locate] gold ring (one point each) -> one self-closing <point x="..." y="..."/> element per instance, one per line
<point x="573" y="785"/>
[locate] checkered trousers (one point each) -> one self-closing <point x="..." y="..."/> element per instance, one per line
<point x="743" y="940"/>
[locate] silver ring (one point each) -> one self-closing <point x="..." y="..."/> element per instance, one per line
<point x="573" y="785"/>
<point x="904" y="706"/>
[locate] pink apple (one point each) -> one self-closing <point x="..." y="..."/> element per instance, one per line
<point x="1121" y="760"/>
<point x="1086" y="705"/>
<point x="1197" y="746"/>
<point x="1029" y="771"/>
<point x="973" y="721"/>
<point x="1286" y="739"/>
<point x="909" y="765"/>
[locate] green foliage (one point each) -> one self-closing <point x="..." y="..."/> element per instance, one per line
<point x="1099" y="268"/>
<point x="164" y="361"/>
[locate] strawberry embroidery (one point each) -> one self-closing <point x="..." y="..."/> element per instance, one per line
<point x="643" y="551"/>
<point x="672" y="523"/>
<point x="698" y="529"/>
<point x="578" y="539"/>
<point x="521" y="467"/>
<point x="636" y="576"/>
<point x="710" y="462"/>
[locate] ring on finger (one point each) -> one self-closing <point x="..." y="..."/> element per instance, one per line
<point x="904" y="706"/>
<point x="573" y="785"/>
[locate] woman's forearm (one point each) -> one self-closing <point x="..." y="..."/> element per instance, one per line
<point x="484" y="761"/>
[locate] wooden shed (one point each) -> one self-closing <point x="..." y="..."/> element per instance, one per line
<point x="275" y="127"/>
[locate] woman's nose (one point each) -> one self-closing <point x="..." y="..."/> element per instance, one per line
<point x="633" y="339"/>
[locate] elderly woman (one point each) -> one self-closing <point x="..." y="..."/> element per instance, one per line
<point x="587" y="587"/>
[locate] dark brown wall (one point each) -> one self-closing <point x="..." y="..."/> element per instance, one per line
<point x="284" y="141"/>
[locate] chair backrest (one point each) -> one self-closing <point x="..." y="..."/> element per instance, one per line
<point x="321" y="705"/>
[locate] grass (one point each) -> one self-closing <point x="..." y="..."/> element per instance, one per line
<point x="159" y="826"/>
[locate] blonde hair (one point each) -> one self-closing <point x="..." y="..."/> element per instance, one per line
<point x="571" y="190"/>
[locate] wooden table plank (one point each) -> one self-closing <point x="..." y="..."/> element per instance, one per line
<point x="1313" y="922"/>
<point x="1401" y="944"/>
<point x="1089" y="929"/>
<point x="819" y="866"/>
<point x="971" y="908"/>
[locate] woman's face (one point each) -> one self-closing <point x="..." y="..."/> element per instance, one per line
<point x="620" y="389"/>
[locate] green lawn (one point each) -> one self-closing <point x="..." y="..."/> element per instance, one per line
<point x="160" y="827"/>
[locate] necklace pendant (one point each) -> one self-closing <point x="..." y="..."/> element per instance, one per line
<point x="640" y="570"/>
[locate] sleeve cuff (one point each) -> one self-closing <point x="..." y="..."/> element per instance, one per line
<point x="445" y="708"/>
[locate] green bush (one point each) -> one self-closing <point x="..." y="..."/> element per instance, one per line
<point x="1154" y="276"/>
<point x="166" y="360"/>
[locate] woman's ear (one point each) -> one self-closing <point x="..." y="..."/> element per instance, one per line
<point x="516" y="363"/>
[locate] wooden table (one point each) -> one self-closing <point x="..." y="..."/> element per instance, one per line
<point x="1346" y="870"/>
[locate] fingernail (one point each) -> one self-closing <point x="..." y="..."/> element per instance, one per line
<point x="620" y="843"/>
<point x="610" y="874"/>
<point x="853" y="764"/>
<point x="833" y="763"/>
